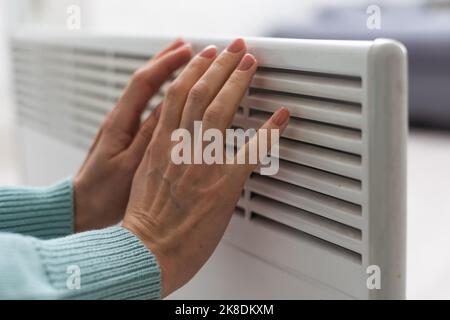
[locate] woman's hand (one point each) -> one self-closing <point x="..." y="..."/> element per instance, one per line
<point x="181" y="211"/>
<point x="102" y="186"/>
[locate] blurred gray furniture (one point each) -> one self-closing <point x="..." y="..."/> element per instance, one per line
<point x="425" y="31"/>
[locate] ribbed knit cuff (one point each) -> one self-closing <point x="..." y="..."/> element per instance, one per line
<point x="40" y="212"/>
<point x="111" y="263"/>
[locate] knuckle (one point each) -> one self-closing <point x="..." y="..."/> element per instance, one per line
<point x="126" y="166"/>
<point x="123" y="138"/>
<point x="108" y="122"/>
<point x="175" y="89"/>
<point x="236" y="81"/>
<point x="197" y="64"/>
<point x="139" y="76"/>
<point x="213" y="116"/>
<point x="222" y="62"/>
<point x="199" y="92"/>
<point x="153" y="148"/>
<point x="147" y="130"/>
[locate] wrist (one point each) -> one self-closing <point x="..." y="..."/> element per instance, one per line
<point x="82" y="219"/>
<point x="144" y="236"/>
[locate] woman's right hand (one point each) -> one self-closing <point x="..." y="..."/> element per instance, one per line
<point x="180" y="212"/>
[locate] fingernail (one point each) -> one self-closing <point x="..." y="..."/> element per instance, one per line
<point x="247" y="62"/>
<point x="209" y="52"/>
<point x="185" y="49"/>
<point x="236" y="46"/>
<point x="280" y="117"/>
<point x="178" y="41"/>
<point x="185" y="46"/>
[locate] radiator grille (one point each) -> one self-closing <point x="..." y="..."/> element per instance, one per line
<point x="317" y="189"/>
<point x="66" y="92"/>
<point x="321" y="192"/>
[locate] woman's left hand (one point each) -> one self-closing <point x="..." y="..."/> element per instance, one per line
<point x="102" y="185"/>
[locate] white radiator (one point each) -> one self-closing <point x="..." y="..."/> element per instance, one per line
<point x="337" y="206"/>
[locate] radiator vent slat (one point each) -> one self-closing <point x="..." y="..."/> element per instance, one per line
<point x="92" y="89"/>
<point x="320" y="181"/>
<point x="109" y="77"/>
<point x="108" y="62"/>
<point x="309" y="84"/>
<point x="311" y="132"/>
<point x="347" y="115"/>
<point x="341" y="163"/>
<point x="329" y="207"/>
<point x="342" y="235"/>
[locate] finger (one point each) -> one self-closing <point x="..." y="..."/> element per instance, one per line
<point x="221" y="111"/>
<point x="143" y="136"/>
<point x="278" y="121"/>
<point x="178" y="42"/>
<point x="144" y="84"/>
<point x="179" y="89"/>
<point x="204" y="91"/>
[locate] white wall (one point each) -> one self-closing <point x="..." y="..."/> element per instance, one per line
<point x="187" y="18"/>
<point x="197" y="17"/>
<point x="209" y="17"/>
<point x="169" y="17"/>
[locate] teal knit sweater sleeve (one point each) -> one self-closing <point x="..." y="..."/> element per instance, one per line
<point x="40" y="260"/>
<point x="45" y="212"/>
